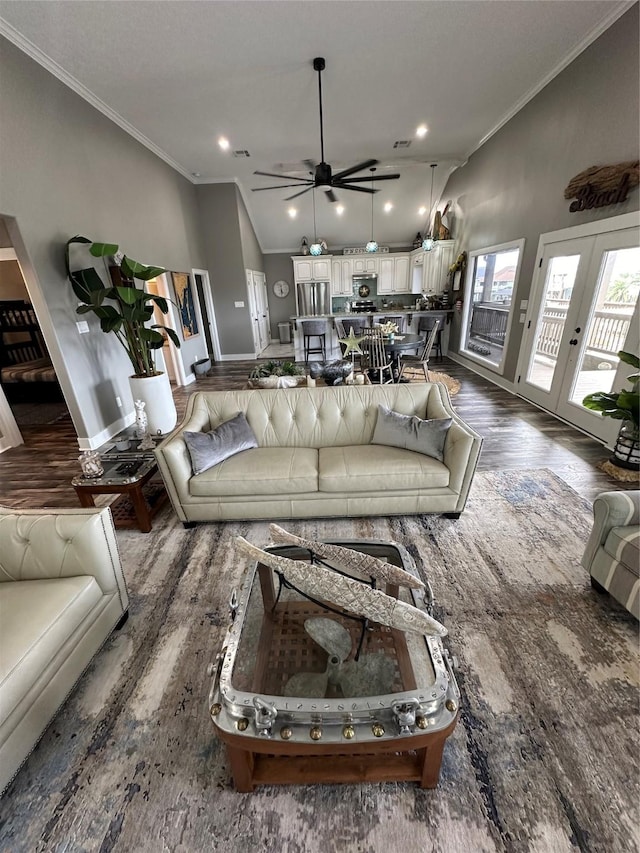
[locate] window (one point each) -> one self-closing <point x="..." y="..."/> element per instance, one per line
<point x="491" y="282"/>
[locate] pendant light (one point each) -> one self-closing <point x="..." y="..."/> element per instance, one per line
<point x="427" y="243"/>
<point x="371" y="246"/>
<point x="315" y="248"/>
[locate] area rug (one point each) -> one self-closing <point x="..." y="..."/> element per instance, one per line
<point x="544" y="757"/>
<point x="452" y="385"/>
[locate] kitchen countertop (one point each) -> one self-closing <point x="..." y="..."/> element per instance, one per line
<point x="375" y="313"/>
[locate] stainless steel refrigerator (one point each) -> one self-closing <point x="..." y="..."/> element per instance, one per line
<point x="313" y="298"/>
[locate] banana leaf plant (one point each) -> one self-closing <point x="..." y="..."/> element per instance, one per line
<point x="621" y="405"/>
<point x="122" y="307"/>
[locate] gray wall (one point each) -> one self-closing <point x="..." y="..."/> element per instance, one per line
<point x="513" y="186"/>
<point x="224" y="258"/>
<point x="66" y="169"/>
<point x="279" y="266"/>
<point x="251" y="251"/>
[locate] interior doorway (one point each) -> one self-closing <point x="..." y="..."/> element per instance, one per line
<point x="31" y="399"/>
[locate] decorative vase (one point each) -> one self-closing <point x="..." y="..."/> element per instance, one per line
<point x="91" y="464"/>
<point x="155" y="393"/>
<point x="626" y="453"/>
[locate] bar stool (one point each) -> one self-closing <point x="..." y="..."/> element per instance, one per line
<point x="355" y="323"/>
<point x="425" y="324"/>
<point x="314" y="329"/>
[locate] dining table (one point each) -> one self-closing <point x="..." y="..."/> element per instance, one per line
<point x="408" y="342"/>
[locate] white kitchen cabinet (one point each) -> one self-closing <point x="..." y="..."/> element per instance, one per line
<point x="430" y="270"/>
<point x="393" y="276"/>
<point x="436" y="266"/>
<point x="401" y="281"/>
<point x="365" y="264"/>
<point x="307" y="268"/>
<point x="341" y="275"/>
<point x="386" y="274"/>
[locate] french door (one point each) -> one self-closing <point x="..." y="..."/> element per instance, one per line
<point x="583" y="309"/>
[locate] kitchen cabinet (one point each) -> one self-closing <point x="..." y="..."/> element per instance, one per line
<point x="430" y="270"/>
<point x="365" y="264"/>
<point x="308" y="268"/>
<point x="393" y="276"/>
<point x="341" y="277"/>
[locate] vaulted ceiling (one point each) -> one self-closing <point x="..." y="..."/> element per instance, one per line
<point x="178" y="75"/>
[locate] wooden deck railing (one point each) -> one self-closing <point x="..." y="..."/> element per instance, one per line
<point x="607" y="336"/>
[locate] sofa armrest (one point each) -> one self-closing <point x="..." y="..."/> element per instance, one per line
<point x="610" y="509"/>
<point x="55" y="543"/>
<point x="174" y="461"/>
<point x="462" y="446"/>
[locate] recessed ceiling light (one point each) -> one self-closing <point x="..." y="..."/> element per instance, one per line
<point x="388" y="207"/>
<point x="340" y="209"/>
<point x="292" y="212"/>
<point x="422" y="210"/>
<point x="421" y="131"/>
<point x="223" y="142"/>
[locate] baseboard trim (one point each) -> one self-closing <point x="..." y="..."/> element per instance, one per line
<point x="239" y="356"/>
<point x="94" y="441"/>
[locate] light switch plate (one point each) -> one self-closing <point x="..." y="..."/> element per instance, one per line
<point x="524" y="304"/>
<point x="523" y="317"/>
<point x="82" y="326"/>
<point x="239" y="304"/>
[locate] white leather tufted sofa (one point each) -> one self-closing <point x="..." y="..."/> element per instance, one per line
<point x="315" y="456"/>
<point x="62" y="592"/>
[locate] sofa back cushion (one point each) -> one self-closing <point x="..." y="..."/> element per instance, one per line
<point x="313" y="417"/>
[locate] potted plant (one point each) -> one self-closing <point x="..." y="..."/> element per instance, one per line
<point x="125" y="309"/>
<point x="622" y="406"/>
<point x="276" y="374"/>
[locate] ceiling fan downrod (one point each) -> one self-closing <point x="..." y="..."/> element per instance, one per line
<point x="319" y="66"/>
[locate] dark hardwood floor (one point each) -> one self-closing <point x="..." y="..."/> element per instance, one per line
<point x="516" y="435"/>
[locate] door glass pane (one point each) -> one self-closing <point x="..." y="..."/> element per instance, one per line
<point x="493" y="280"/>
<point x="558" y="287"/>
<point x="608" y="326"/>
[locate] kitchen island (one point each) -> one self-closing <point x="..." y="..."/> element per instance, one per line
<point x="333" y="348"/>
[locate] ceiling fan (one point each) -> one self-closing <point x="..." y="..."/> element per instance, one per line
<point x="322" y="174"/>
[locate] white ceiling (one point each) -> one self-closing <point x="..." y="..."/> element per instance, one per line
<point x="178" y="74"/>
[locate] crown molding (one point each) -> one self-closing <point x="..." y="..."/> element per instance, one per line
<point x="26" y="46"/>
<point x="617" y="10"/>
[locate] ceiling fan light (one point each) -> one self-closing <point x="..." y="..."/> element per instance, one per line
<point x="371" y="246"/>
<point x="427" y="244"/>
<point x="315" y="249"/>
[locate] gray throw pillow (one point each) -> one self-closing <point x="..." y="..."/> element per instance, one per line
<point x="209" y="448"/>
<point x="411" y="432"/>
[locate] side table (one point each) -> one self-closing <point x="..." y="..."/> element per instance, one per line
<point x="143" y="503"/>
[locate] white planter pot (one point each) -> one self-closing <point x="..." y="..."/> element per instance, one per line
<point x="155" y="392"/>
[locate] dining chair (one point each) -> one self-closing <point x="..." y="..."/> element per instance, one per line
<point x="375" y="359"/>
<point x="415" y="362"/>
<point x="355" y="323"/>
<point x="425" y="324"/>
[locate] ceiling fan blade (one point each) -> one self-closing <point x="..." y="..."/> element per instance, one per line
<point x="374" y="178"/>
<point x="286" y="177"/>
<point x="289" y="197"/>
<point x="277" y="187"/>
<point x="355" y="189"/>
<point x="367" y="164"/>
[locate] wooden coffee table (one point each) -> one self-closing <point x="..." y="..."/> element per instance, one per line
<point x="390" y="724"/>
<point x="140" y="498"/>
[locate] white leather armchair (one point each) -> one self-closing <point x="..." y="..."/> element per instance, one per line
<point x="62" y="592"/>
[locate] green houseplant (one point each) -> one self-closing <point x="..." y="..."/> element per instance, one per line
<point x="126" y="310"/>
<point x="122" y="307"/>
<point x="276" y="374"/>
<point x="622" y="406"/>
